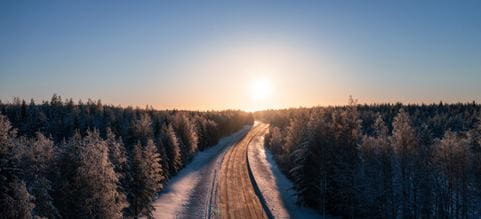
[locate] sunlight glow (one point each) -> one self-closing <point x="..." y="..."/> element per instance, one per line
<point x="261" y="89"/>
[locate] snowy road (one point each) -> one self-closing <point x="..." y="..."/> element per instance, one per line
<point x="234" y="179"/>
<point x="189" y="193"/>
<point x="238" y="195"/>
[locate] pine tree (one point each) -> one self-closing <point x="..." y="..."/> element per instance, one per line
<point x="405" y="143"/>
<point x="147" y="179"/>
<point x="187" y="135"/>
<point x="377" y="179"/>
<point x="474" y="136"/>
<point x="21" y="202"/>
<point x="153" y="168"/>
<point x="65" y="195"/>
<point x="306" y="163"/>
<point x="37" y="161"/>
<point x="90" y="187"/>
<point x="118" y="158"/>
<point x="453" y="160"/>
<point x="207" y="131"/>
<point x="296" y="133"/>
<point x="424" y="172"/>
<point x="346" y="128"/>
<point x="136" y="192"/>
<point x="164" y="160"/>
<point x="7" y="169"/>
<point x="274" y="140"/>
<point x="140" y="129"/>
<point x="172" y="147"/>
<point x="117" y="154"/>
<point x="15" y="202"/>
<point x="102" y="196"/>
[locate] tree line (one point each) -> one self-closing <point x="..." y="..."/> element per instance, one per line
<point x="61" y="159"/>
<point x="383" y="160"/>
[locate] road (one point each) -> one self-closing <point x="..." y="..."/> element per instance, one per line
<point x="236" y="195"/>
<point x="218" y="183"/>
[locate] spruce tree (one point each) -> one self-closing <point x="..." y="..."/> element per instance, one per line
<point x="188" y="138"/>
<point x="306" y="164"/>
<point x="346" y="132"/>
<point x="453" y="160"/>
<point x="15" y="201"/>
<point x="172" y="147"/>
<point x="147" y="179"/>
<point x="405" y="143"/>
<point x="377" y="179"/>
<point x="153" y="168"/>
<point x="37" y="160"/>
<point x="91" y="186"/>
<point x="475" y="149"/>
<point x="21" y="203"/>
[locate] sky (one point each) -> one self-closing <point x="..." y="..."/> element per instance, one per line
<point x="212" y="55"/>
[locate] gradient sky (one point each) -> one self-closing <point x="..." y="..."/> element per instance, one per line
<point x="205" y="54"/>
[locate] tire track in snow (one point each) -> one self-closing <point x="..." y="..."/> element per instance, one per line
<point x="189" y="193"/>
<point x="239" y="195"/>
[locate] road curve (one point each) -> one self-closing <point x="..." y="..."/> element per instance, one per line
<point x="237" y="194"/>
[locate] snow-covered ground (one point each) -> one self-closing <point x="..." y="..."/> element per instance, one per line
<point x="274" y="185"/>
<point x="190" y="193"/>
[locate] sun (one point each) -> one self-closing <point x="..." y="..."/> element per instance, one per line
<point x="261" y="89"/>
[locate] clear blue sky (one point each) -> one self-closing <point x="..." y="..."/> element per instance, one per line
<point x="204" y="54"/>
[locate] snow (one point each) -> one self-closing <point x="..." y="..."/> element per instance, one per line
<point x="190" y="192"/>
<point x="276" y="188"/>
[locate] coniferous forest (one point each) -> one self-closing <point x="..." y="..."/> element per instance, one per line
<point x="62" y="159"/>
<point x="237" y="109"/>
<point x="383" y="160"/>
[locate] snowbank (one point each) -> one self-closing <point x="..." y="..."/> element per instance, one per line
<point x="274" y="185"/>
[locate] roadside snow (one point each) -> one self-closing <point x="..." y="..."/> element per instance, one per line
<point x="189" y="193"/>
<point x="274" y="185"/>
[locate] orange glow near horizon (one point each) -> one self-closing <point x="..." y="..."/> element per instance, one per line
<point x="250" y="76"/>
<point x="247" y="76"/>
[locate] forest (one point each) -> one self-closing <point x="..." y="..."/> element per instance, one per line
<point x="381" y="160"/>
<point x="62" y="159"/>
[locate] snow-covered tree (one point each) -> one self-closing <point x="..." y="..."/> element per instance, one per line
<point x="65" y="173"/>
<point x="147" y="179"/>
<point x="90" y="185"/>
<point x="117" y="156"/>
<point x="172" y="148"/>
<point x="405" y="143"/>
<point x="346" y="133"/>
<point x="274" y="140"/>
<point x="186" y="132"/>
<point x="116" y="150"/>
<point x="377" y="178"/>
<point x="37" y="161"/>
<point x="305" y="173"/>
<point x="453" y="160"/>
<point x="20" y="204"/>
<point x="296" y="133"/>
<point x="95" y="174"/>
<point x="474" y="137"/>
<point x="15" y="201"/>
<point x="307" y="157"/>
<point x="153" y="168"/>
<point x="141" y="129"/>
<point x="424" y="174"/>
